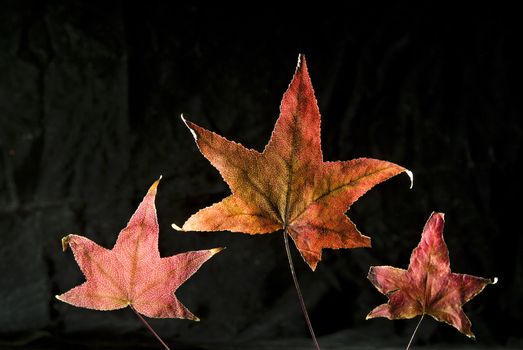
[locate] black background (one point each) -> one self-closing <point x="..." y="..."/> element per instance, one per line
<point x="90" y="98"/>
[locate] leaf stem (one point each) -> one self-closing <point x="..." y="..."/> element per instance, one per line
<point x="149" y="327"/>
<point x="298" y="290"/>
<point x="414" y="333"/>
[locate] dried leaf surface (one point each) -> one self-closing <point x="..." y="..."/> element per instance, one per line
<point x="428" y="286"/>
<point x="289" y="186"/>
<point x="133" y="273"/>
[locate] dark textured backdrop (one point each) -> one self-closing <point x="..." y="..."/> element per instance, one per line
<point x="90" y="98"/>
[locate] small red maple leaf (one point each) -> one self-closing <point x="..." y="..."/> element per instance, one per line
<point x="288" y="186"/>
<point x="428" y="286"/>
<point x="133" y="273"/>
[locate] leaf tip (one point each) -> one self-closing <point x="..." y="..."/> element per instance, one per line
<point x="65" y="242"/>
<point x="154" y="186"/>
<point x="494" y="280"/>
<point x="177" y="228"/>
<point x="188" y="126"/>
<point x="215" y="251"/>
<point x="302" y="63"/>
<point x="438" y="215"/>
<point x="301" y="60"/>
<point x="313" y="263"/>
<point x="410" y="174"/>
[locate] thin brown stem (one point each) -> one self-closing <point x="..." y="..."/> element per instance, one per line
<point x="414" y="333"/>
<point x="149" y="328"/>
<point x="298" y="290"/>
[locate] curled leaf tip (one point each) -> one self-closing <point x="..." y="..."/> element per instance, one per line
<point x="176" y="227"/>
<point x="65" y="242"/>
<point x="495" y="280"/>
<point x="154" y="186"/>
<point x="190" y="129"/>
<point x="410" y="174"/>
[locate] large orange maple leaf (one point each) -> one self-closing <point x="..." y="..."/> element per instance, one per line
<point x="288" y="186"/>
<point x="133" y="273"/>
<point x="427" y="287"/>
